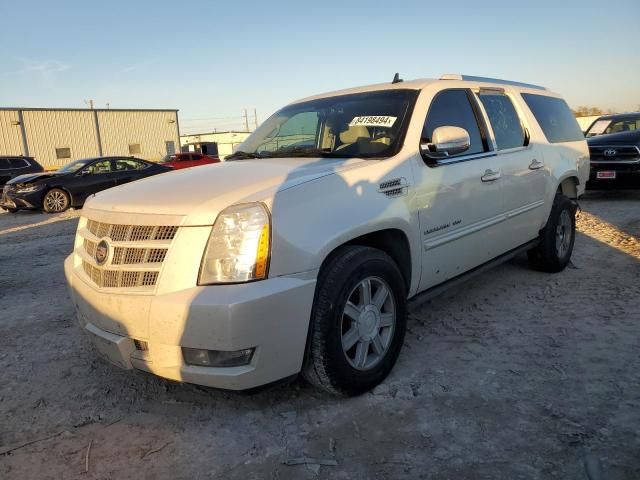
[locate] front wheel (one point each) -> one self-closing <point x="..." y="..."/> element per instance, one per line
<point x="55" y="201"/>
<point x="556" y="238"/>
<point x="358" y="321"/>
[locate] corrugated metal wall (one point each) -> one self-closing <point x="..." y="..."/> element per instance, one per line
<point x="49" y="129"/>
<point x="10" y="135"/>
<point x="150" y="130"/>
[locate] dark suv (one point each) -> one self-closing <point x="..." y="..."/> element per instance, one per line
<point x="614" y="148"/>
<point x="11" y="167"/>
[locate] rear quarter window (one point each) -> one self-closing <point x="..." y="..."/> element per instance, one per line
<point x="554" y="117"/>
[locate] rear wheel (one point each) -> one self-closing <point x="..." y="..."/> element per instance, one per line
<point x="358" y="321"/>
<point x="55" y="201"/>
<point x="556" y="238"/>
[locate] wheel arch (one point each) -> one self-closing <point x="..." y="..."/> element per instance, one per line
<point x="59" y="187"/>
<point x="392" y="241"/>
<point x="568" y="185"/>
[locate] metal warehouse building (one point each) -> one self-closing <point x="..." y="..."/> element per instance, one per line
<point x="57" y="136"/>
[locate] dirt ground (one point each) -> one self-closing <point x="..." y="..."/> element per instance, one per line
<point x="513" y="375"/>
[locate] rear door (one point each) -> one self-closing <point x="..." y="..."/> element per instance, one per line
<point x="458" y="198"/>
<point x="182" y="160"/>
<point x="197" y="159"/>
<point x="129" y="169"/>
<point x="524" y="175"/>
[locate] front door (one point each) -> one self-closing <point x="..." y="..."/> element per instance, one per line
<point x="459" y="198"/>
<point x="91" y="179"/>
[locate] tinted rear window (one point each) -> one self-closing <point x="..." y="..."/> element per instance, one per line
<point x="504" y="120"/>
<point x="555" y="118"/>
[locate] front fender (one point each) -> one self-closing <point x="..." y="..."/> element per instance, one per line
<point x="313" y="219"/>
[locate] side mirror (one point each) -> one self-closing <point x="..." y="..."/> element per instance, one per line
<point x="84" y="172"/>
<point x="445" y="142"/>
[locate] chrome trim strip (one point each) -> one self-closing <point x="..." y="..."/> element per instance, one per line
<point x="475" y="227"/>
<point x="462" y="158"/>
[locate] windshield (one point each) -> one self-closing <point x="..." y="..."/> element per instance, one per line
<point x="365" y="125"/>
<point x="606" y="125"/>
<point x="75" y="166"/>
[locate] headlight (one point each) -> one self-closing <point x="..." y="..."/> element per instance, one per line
<point x="238" y="247"/>
<point x="29" y="188"/>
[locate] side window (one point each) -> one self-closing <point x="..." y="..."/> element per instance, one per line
<point x="555" y="118"/>
<point x="452" y="108"/>
<point x="4" y="164"/>
<point x="18" y="163"/>
<point x="504" y="120"/>
<point x="196" y="156"/>
<point x="103" y="166"/>
<point x="127" y="164"/>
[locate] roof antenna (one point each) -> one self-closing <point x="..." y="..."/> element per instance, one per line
<point x="396" y="78"/>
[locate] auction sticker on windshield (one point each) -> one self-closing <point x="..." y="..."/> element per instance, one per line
<point x="373" y="121"/>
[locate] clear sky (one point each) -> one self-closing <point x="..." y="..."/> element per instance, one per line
<point x="212" y="59"/>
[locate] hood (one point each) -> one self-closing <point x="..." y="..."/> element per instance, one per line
<point x="32" y="177"/>
<point x="620" y="138"/>
<point x="200" y="193"/>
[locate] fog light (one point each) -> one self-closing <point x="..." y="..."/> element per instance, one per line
<point x="217" y="358"/>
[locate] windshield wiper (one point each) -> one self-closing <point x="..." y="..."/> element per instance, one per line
<point x="240" y="155"/>
<point x="306" y="152"/>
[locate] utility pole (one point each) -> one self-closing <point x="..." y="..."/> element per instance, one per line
<point x="108" y="105"/>
<point x="246" y="120"/>
<point x="255" y="118"/>
<point x="90" y="103"/>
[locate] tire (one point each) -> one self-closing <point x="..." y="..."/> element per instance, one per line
<point x="556" y="238"/>
<point x="373" y="340"/>
<point x="56" y="200"/>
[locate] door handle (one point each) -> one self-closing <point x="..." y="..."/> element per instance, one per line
<point x="490" y="176"/>
<point x="536" y="164"/>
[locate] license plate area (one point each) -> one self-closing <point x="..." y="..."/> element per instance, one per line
<point x="113" y="348"/>
<point x="606" y="175"/>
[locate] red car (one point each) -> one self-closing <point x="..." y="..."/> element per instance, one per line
<point x="186" y="160"/>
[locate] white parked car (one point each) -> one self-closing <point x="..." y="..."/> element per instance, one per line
<point x="303" y="250"/>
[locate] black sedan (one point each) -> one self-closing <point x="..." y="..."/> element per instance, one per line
<point x="71" y="185"/>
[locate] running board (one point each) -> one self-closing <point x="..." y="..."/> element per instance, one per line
<point x="423" y="297"/>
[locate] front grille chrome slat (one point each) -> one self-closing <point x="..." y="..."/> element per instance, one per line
<point x="131" y="233"/>
<point x="141" y="248"/>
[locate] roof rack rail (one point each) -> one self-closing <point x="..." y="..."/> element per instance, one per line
<point x="471" y="78"/>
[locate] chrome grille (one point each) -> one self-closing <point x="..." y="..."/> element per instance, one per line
<point x="119" y="278"/>
<point x="613" y="153"/>
<point x="129" y="255"/>
<point x="143" y="246"/>
<point x="131" y="233"/>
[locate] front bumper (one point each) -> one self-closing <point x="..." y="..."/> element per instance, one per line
<point x="11" y="199"/>
<point x="625" y="173"/>
<point x="271" y="316"/>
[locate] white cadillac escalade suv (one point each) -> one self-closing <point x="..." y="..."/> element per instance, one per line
<point x="301" y="252"/>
